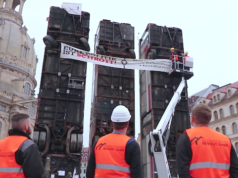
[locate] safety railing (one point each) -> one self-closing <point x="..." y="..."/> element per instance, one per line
<point x="177" y="64"/>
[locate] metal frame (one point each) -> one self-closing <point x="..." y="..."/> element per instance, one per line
<point x="156" y="136"/>
<point x="111" y="46"/>
<point x="77" y="21"/>
<point x="158" y="89"/>
<point x="62" y="88"/>
<point x="165" y="32"/>
<point x="110" y="85"/>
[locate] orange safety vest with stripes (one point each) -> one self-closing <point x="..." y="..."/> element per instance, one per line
<point x="211" y="153"/>
<point x="110" y="156"/>
<point x="174" y="57"/>
<point x="8" y="165"/>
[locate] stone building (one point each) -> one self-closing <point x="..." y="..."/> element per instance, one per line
<point x="223" y="102"/>
<point x="17" y="65"/>
<point x="193" y="100"/>
<point x="84" y="162"/>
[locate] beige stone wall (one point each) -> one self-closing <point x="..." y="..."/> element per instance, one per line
<point x="4" y="124"/>
<point x="228" y="119"/>
<point x="17" y="66"/>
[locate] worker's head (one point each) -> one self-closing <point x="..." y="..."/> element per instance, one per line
<point x="201" y="115"/>
<point x="120" y="118"/>
<point x="186" y="53"/>
<point x="22" y="122"/>
<point x="171" y="50"/>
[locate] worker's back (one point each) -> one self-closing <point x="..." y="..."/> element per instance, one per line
<point x="210" y="153"/>
<point x="8" y="164"/>
<point x="110" y="156"/>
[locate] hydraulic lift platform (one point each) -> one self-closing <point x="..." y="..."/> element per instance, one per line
<point x="182" y="69"/>
<point x="181" y="73"/>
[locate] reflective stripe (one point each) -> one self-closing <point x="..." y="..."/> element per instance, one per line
<point x="113" y="167"/>
<point x="26" y="144"/>
<point x="11" y="170"/>
<point x="131" y="140"/>
<point x="209" y="165"/>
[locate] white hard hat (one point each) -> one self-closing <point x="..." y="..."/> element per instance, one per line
<point x="120" y="114"/>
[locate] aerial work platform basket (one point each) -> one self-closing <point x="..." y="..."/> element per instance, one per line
<point x="182" y="69"/>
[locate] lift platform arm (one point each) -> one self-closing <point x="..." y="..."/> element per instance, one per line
<point x="158" y="142"/>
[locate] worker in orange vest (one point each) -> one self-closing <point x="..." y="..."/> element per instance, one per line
<point x="185" y="55"/>
<point x="184" y="60"/>
<point x="203" y="152"/>
<point x="19" y="155"/>
<point x="174" y="58"/>
<point x="116" y="155"/>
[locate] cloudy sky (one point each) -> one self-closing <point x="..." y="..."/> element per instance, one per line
<point x="210" y="34"/>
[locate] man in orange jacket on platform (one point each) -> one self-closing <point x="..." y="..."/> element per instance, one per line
<point x="202" y="152"/>
<point x="174" y="58"/>
<point x="116" y="155"/>
<point x="19" y="155"/>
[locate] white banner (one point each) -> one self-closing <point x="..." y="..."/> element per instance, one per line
<point x="69" y="52"/>
<point x="72" y="8"/>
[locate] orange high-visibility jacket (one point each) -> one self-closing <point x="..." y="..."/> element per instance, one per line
<point x="110" y="157"/>
<point x="8" y="165"/>
<point x="174" y="57"/>
<point x="210" y="153"/>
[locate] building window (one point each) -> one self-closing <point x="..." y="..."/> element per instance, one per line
<point x="234" y="128"/>
<point x="2" y="108"/>
<point x="221" y="113"/>
<point x="215" y="115"/>
<point x="229" y="93"/>
<point x="17" y="8"/>
<point x="24" y="52"/>
<point x="214" y="99"/>
<point x="218" y="129"/>
<point x="232" y="111"/>
<point x="27" y="89"/>
<point x="223" y="130"/>
<point x="218" y="97"/>
<point x="0" y="127"/>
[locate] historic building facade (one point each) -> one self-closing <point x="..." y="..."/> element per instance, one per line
<point x="17" y="65"/>
<point x="193" y="100"/>
<point x="84" y="162"/>
<point x="223" y="102"/>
